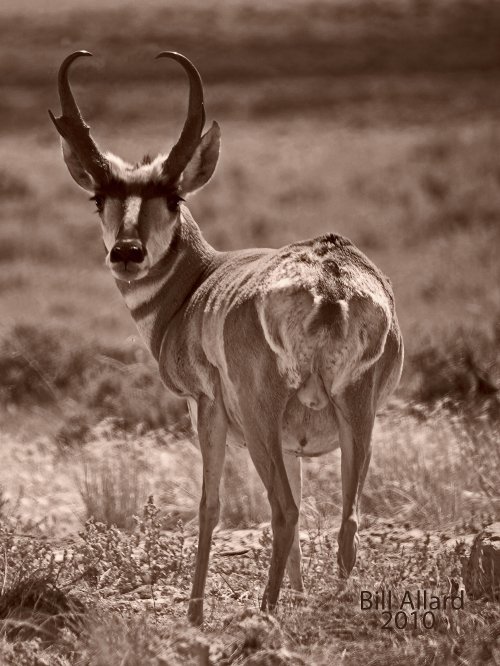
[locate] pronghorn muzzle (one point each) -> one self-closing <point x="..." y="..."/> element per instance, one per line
<point x="127" y="251"/>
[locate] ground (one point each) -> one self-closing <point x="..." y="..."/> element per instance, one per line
<point x="376" y="120"/>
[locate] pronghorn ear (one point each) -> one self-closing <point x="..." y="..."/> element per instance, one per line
<point x="202" y="165"/>
<point x="78" y="173"/>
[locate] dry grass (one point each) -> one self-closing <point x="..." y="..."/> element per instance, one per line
<point x="136" y="587"/>
<point x="448" y="475"/>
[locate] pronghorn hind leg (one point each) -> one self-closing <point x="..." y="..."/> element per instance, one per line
<point x="212" y="429"/>
<point x="284" y="517"/>
<point x="355" y="410"/>
<point x="293" y="466"/>
<point x="263" y="437"/>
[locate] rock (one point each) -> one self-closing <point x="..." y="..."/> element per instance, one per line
<point x="482" y="571"/>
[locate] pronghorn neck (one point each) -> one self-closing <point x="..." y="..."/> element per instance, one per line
<point x="155" y="300"/>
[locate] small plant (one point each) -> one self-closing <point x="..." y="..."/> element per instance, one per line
<point x="162" y="556"/>
<point x="113" y="488"/>
<point x="112" y="559"/>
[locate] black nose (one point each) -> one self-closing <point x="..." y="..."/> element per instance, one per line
<point x="128" y="250"/>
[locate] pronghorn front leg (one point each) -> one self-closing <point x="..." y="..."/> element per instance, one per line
<point x="356" y="414"/>
<point x="212" y="429"/>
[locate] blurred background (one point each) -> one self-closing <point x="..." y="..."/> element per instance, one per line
<point x="379" y="120"/>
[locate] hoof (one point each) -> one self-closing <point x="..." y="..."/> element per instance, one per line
<point x="267" y="605"/>
<point x="348" y="547"/>
<point x="195" y="612"/>
<point x="297" y="597"/>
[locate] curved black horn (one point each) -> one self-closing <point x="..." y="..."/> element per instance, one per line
<point x="190" y="136"/>
<point x="72" y="127"/>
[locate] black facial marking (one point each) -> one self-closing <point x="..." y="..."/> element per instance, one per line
<point x="119" y="189"/>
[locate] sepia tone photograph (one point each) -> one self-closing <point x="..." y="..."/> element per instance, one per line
<point x="250" y="333"/>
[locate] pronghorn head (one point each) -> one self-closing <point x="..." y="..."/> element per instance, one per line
<point x="138" y="204"/>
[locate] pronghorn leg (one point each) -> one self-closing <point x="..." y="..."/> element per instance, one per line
<point x="356" y="414"/>
<point x="212" y="429"/>
<point x="293" y="466"/>
<point x="263" y="437"/>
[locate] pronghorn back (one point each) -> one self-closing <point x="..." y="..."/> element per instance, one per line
<point x="315" y="306"/>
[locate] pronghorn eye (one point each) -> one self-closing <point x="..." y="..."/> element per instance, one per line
<point x="173" y="201"/>
<point x="98" y="199"/>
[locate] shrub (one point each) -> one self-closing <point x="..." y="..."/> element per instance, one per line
<point x="460" y="367"/>
<point x="39" y="365"/>
<point x="133" y="394"/>
<point x="84" y="381"/>
<point x="33" y="603"/>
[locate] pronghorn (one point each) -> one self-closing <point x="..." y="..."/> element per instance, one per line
<point x="289" y="352"/>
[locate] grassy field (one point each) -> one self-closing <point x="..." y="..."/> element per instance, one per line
<point x="376" y="120"/>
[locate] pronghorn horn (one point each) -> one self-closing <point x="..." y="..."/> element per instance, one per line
<point x="72" y="127"/>
<point x="190" y="136"/>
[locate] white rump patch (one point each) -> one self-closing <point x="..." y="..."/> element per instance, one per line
<point x="283" y="283"/>
<point x="283" y="314"/>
